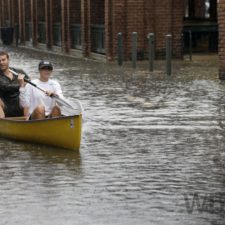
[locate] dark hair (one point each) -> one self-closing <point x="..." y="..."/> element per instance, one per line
<point x="2" y="53"/>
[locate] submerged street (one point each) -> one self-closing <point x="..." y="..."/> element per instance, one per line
<point x="150" y="143"/>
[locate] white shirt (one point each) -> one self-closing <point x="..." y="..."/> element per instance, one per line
<point x="32" y="97"/>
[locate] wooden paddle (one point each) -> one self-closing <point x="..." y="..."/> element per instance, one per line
<point x="68" y="109"/>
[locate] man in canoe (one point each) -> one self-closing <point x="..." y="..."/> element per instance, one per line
<point x="9" y="88"/>
<point x="39" y="104"/>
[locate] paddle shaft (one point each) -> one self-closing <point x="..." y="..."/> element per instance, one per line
<point x="28" y="81"/>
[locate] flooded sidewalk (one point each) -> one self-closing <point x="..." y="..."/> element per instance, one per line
<point x="200" y="66"/>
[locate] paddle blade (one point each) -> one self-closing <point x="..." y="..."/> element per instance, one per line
<point x="68" y="108"/>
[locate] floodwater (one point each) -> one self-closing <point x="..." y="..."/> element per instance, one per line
<point x="152" y="152"/>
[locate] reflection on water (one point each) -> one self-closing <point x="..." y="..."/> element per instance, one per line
<point x="152" y="152"/>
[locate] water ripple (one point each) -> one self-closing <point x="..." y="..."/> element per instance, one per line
<point x="146" y="142"/>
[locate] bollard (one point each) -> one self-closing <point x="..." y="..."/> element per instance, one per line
<point x="151" y="48"/>
<point x="190" y="45"/>
<point x="168" y="53"/>
<point x="134" y="49"/>
<point x="120" y="49"/>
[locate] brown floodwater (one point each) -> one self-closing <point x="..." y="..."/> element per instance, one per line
<point x="152" y="151"/>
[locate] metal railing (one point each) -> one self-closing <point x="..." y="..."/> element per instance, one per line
<point x="98" y="38"/>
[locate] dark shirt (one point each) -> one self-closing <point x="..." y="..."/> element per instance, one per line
<point x="9" y="93"/>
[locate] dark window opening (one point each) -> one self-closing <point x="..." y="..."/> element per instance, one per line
<point x="200" y="26"/>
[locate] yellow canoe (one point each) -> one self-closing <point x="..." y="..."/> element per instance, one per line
<point x="61" y="132"/>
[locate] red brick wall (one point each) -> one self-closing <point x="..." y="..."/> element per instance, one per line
<point x="167" y="19"/>
<point x="109" y="35"/>
<point x="163" y="23"/>
<point x="85" y="29"/>
<point x="21" y="11"/>
<point x="15" y="14"/>
<point x="27" y="11"/>
<point x="75" y="11"/>
<point x="221" y="22"/>
<point x="135" y="11"/>
<point x="131" y="16"/>
<point x="97" y="11"/>
<point x="126" y="16"/>
<point x="118" y="24"/>
<point x="65" y="25"/>
<point x="56" y="11"/>
<point x="41" y="13"/>
<point x="159" y="17"/>
<point x="48" y="20"/>
<point x="177" y="27"/>
<point x="149" y="16"/>
<point x="7" y="11"/>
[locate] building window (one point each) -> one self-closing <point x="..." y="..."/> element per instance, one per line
<point x="186" y="10"/>
<point x="197" y="9"/>
<point x="207" y="6"/>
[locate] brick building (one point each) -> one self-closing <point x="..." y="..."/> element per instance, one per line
<point x="221" y="22"/>
<point x="89" y="28"/>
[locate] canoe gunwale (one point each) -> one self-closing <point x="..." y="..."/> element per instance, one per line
<point x="22" y="119"/>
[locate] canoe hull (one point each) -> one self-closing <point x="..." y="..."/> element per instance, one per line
<point x="62" y="132"/>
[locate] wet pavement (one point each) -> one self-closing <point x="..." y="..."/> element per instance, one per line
<point x="152" y="148"/>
